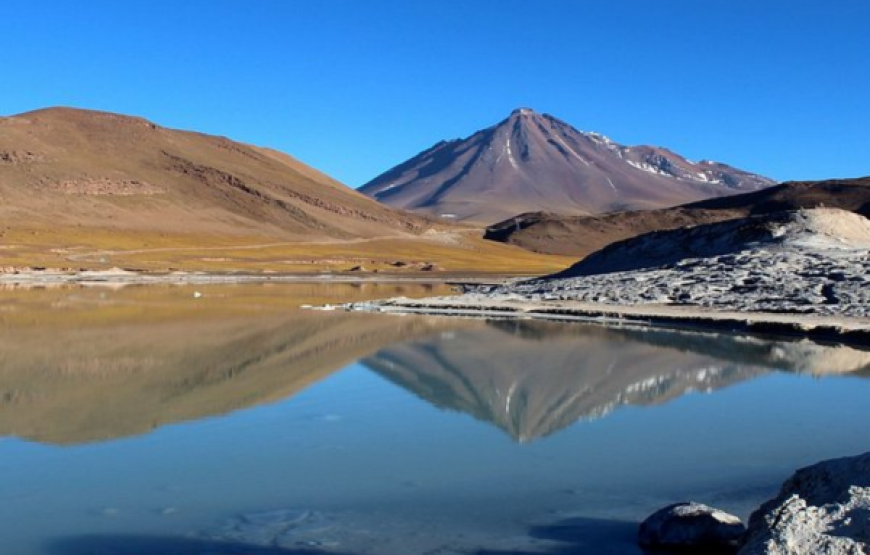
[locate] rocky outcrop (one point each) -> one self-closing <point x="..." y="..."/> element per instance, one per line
<point x="14" y="157"/>
<point x="105" y="186"/>
<point x="806" y="262"/>
<point x="817" y="229"/>
<point x="686" y="525"/>
<point x="823" y="509"/>
<point x="580" y="236"/>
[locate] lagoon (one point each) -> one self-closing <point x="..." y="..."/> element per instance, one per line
<point x="224" y="419"/>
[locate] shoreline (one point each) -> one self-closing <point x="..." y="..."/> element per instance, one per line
<point x="125" y="277"/>
<point x="841" y="329"/>
<point x="834" y="328"/>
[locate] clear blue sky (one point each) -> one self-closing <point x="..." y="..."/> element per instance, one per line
<point x="352" y="87"/>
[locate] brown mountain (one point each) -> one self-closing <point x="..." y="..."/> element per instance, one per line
<point x="85" y="189"/>
<point x="582" y="235"/>
<point x="84" y="168"/>
<point x="532" y="161"/>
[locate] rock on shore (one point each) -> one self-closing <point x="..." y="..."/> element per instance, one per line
<point x="685" y="525"/>
<point x="823" y="509"/>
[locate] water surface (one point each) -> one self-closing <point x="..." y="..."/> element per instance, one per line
<point x="155" y="421"/>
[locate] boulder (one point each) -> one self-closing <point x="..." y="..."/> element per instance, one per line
<point x="823" y="509"/>
<point x="688" y="525"/>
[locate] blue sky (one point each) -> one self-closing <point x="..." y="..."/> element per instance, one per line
<point x="353" y="87"/>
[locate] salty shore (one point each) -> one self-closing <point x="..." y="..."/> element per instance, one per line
<point x="120" y="277"/>
<point x="804" y="273"/>
<point x="823" y="327"/>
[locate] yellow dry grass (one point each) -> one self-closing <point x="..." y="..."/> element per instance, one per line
<point x="452" y="253"/>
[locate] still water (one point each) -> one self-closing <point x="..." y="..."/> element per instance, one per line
<point x="224" y="420"/>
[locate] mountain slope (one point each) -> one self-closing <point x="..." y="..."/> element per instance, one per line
<point x="64" y="166"/>
<point x="579" y="235"/>
<point x="534" y="161"/>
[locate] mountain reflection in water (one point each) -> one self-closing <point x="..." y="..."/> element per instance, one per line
<point x="82" y="365"/>
<point x="329" y="455"/>
<point x="115" y="364"/>
<point x="533" y="378"/>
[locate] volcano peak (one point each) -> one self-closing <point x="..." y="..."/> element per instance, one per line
<point x="531" y="162"/>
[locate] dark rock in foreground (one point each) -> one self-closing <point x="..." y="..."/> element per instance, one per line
<point x="690" y="525"/>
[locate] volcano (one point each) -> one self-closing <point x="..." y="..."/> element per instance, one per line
<point x="535" y="162"/>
